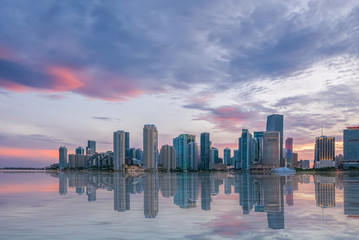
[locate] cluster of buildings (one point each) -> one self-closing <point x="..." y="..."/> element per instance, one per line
<point x="324" y="153"/>
<point x="260" y="150"/>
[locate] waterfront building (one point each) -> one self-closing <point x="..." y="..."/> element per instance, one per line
<point x="227" y="156"/>
<point x="275" y="124"/>
<point x="91" y="147"/>
<point x="271" y="149"/>
<point x="214" y="157"/>
<point x="205" y="151"/>
<point x="62" y="157"/>
<point x="294" y="160"/>
<point x="194" y="157"/>
<point x="324" y="153"/>
<point x="77" y="161"/>
<point x="118" y="150"/>
<point x="351" y="147"/>
<point x="132" y="153"/>
<point x="150" y="146"/>
<point x="180" y="143"/>
<point x="289" y="151"/>
<point x="245" y="148"/>
<point x="139" y="154"/>
<point x="236" y="159"/>
<point x="127" y="144"/>
<point x="168" y="157"/>
<point x="258" y="148"/>
<point x="79" y="151"/>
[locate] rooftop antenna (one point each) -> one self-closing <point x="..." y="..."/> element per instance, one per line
<point x="322" y="130"/>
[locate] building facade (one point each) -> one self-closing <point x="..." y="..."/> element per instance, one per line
<point x="227" y="156"/>
<point x="205" y="151"/>
<point x="118" y="150"/>
<point x="150" y="146"/>
<point x="180" y="143"/>
<point x="271" y="149"/>
<point x="351" y="145"/>
<point x="168" y="158"/>
<point x="324" y="153"/>
<point x="275" y="123"/>
<point x="62" y="157"/>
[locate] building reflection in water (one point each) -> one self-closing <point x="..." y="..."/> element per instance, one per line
<point x="258" y="193"/>
<point x="324" y="191"/>
<point x="351" y="196"/>
<point x="151" y="188"/>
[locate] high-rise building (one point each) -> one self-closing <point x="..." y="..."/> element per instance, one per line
<point x="271" y="149"/>
<point x="289" y="151"/>
<point x="295" y="160"/>
<point x="132" y="153"/>
<point x="118" y="150"/>
<point x="79" y="151"/>
<point x="236" y="159"/>
<point x="246" y="149"/>
<point x="150" y="146"/>
<point x="205" y="151"/>
<point x="62" y="157"/>
<point x="258" y="148"/>
<point x="180" y="143"/>
<point x="227" y="156"/>
<point x="139" y="154"/>
<point x="168" y="157"/>
<point x="193" y="155"/>
<point x="127" y="144"/>
<point x="213" y="157"/>
<point x="324" y="155"/>
<point x="91" y="147"/>
<point x="351" y="146"/>
<point x="275" y="123"/>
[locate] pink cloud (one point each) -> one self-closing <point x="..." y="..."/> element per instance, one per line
<point x="64" y="79"/>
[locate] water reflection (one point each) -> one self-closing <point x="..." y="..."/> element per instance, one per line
<point x="265" y="194"/>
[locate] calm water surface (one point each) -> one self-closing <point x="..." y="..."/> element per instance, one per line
<point x="217" y="205"/>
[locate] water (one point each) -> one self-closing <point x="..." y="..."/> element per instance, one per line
<point x="103" y="205"/>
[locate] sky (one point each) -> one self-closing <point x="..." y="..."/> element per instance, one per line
<point x="71" y="71"/>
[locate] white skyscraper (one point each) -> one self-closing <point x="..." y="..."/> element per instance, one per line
<point x="150" y="146"/>
<point x="118" y="150"/>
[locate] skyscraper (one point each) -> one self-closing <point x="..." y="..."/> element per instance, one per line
<point x="271" y="149"/>
<point x="227" y="156"/>
<point x="127" y="144"/>
<point x="205" y="151"/>
<point x="193" y="156"/>
<point x="275" y="123"/>
<point x="324" y="154"/>
<point x="289" y="148"/>
<point x="79" y="151"/>
<point x="91" y="147"/>
<point x="168" y="157"/>
<point x="150" y="146"/>
<point x="351" y="145"/>
<point x="246" y="149"/>
<point x="180" y="143"/>
<point x="62" y="157"/>
<point x="118" y="150"/>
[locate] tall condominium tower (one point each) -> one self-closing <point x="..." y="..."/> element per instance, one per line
<point x="62" y="157"/>
<point x="150" y="146"/>
<point x="246" y="147"/>
<point x="193" y="154"/>
<point x="118" y="150"/>
<point x="271" y="149"/>
<point x="324" y="154"/>
<point x="180" y="143"/>
<point x="168" y="157"/>
<point x="227" y="156"/>
<point x="205" y="151"/>
<point x="289" y="151"/>
<point x="275" y="123"/>
<point x="79" y="151"/>
<point x="127" y="144"/>
<point x="351" y="144"/>
<point x="91" y="147"/>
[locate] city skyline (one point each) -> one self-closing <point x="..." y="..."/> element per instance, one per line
<point x="74" y="71"/>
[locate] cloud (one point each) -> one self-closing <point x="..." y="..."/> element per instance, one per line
<point x="121" y="50"/>
<point x="105" y="118"/>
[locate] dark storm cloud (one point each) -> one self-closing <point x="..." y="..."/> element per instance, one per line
<point x="131" y="48"/>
